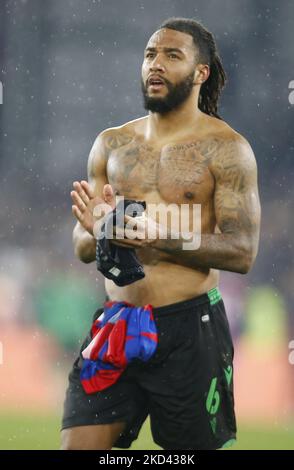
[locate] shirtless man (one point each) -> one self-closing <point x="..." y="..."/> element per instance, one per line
<point x="180" y="153"/>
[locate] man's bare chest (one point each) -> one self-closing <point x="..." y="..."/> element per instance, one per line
<point x="175" y="173"/>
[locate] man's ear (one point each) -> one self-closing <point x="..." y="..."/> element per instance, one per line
<point x="202" y="73"/>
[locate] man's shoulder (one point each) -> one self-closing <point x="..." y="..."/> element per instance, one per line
<point x="223" y="133"/>
<point x="228" y="143"/>
<point x="119" y="135"/>
<point x="230" y="149"/>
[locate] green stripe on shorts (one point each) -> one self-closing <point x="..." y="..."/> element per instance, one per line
<point x="228" y="444"/>
<point x="214" y="296"/>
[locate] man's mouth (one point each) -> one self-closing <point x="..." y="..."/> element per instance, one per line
<point x="155" y="83"/>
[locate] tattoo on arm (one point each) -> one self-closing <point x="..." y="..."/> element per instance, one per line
<point x="236" y="196"/>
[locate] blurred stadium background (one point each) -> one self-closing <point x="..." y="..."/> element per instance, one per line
<point x="70" y="69"/>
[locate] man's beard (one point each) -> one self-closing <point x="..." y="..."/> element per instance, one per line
<point x="177" y="94"/>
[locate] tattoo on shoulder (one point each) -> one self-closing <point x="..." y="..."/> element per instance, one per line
<point x="231" y="165"/>
<point x="117" y="140"/>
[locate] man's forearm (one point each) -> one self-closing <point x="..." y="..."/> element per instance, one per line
<point x="84" y="245"/>
<point x="227" y="252"/>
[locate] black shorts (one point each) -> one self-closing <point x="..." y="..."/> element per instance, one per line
<point x="186" y="387"/>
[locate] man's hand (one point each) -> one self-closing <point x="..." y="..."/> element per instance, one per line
<point x="85" y="202"/>
<point x="139" y="232"/>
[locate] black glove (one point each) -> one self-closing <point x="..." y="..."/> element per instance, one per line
<point x="119" y="264"/>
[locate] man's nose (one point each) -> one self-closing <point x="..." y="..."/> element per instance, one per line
<point x="157" y="66"/>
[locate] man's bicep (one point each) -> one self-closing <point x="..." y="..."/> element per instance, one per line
<point x="236" y="199"/>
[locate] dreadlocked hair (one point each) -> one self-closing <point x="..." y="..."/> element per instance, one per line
<point x="206" y="54"/>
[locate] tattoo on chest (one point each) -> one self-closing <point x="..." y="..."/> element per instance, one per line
<point x="197" y="171"/>
<point x="188" y="164"/>
<point x="133" y="163"/>
<point x="177" y="165"/>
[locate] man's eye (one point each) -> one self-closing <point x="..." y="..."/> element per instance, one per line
<point x="149" y="55"/>
<point x="173" y="56"/>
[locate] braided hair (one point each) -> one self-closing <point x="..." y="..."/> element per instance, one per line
<point x="207" y="54"/>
